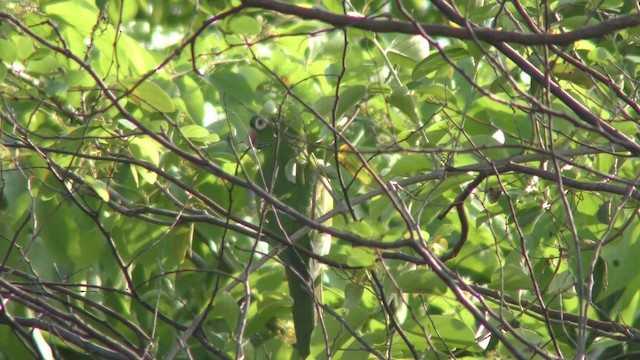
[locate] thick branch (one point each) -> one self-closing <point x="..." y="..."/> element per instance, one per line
<point x="485" y="34"/>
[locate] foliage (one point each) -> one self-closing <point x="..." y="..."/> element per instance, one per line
<point x="483" y="168"/>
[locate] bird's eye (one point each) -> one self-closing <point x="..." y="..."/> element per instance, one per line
<point x="260" y="123"/>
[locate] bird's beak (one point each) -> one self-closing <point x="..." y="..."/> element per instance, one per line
<point x="252" y="138"/>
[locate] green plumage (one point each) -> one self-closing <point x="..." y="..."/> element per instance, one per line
<point x="287" y="176"/>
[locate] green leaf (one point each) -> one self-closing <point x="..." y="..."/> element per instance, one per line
<point x="454" y="333"/>
<point x="335" y="331"/>
<point x="122" y="10"/>
<point x="244" y="25"/>
<point x="421" y="281"/>
<point x="43" y="66"/>
<point x="407" y="50"/>
<point x="411" y="165"/>
<point x="349" y="97"/>
<point x="490" y="147"/>
<point x="361" y="257"/>
<point x="231" y="85"/>
<point x="181" y="240"/>
<point x="403" y="100"/>
<point x="511" y="277"/>
<point x="78" y="78"/>
<point x="435" y="61"/>
<point x="99" y="187"/>
<point x="482" y="13"/>
<point x="146" y="149"/>
<point x="272" y="305"/>
<point x="84" y="14"/>
<point x="192" y="95"/>
<point x="353" y="295"/>
<point x="55" y="87"/>
<point x="150" y="96"/>
<point x="431" y="92"/>
<point x="621" y="261"/>
<point x="3" y="73"/>
<point x="197" y="132"/>
<point x="8" y="51"/>
<point x="24" y="46"/>
<point x="226" y="307"/>
<point x="575" y="22"/>
<point x="529" y="217"/>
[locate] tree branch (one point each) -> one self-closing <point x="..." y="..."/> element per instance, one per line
<point x="484" y="34"/>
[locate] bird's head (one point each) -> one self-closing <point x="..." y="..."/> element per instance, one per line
<point x="261" y="132"/>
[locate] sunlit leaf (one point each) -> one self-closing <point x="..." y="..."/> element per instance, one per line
<point x="99" y="187"/>
<point x="244" y="25"/>
<point x="150" y="96"/>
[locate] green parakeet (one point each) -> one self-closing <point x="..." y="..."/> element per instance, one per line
<point x="287" y="172"/>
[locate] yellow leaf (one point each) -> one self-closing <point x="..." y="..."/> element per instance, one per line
<point x="352" y="164"/>
<point x="567" y="72"/>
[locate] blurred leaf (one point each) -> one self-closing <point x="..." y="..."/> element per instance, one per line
<point x="421" y="281"/>
<point x="181" y="238"/>
<point x="81" y="14"/>
<point x="99" y="187"/>
<point x="351" y="162"/>
<point x="150" y="96"/>
<point x="335" y="330"/>
<point x="406" y="50"/>
<point x="122" y="10"/>
<point x="226" y="307"/>
<point x="452" y="331"/>
<point x="231" y="85"/>
<point x="511" y="277"/>
<point x="411" y="165"/>
<point x="244" y="25"/>
<point x="146" y="149"/>
<point x="575" y="22"/>
<point x="353" y="295"/>
<point x="196" y="132"/>
<point x="349" y="98"/>
<point x="361" y="257"/>
<point x="404" y="100"/>
<point x="436" y="61"/>
<point x="43" y="66"/>
<point x="193" y="98"/>
<point x="8" y="51"/>
<point x="568" y="72"/>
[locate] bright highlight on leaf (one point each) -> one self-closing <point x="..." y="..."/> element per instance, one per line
<point x="145" y="149"/>
<point x="99" y="187"/>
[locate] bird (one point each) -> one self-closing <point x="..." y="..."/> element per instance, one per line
<point x="287" y="172"/>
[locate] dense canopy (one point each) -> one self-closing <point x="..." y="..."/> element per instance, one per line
<point x="470" y="169"/>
